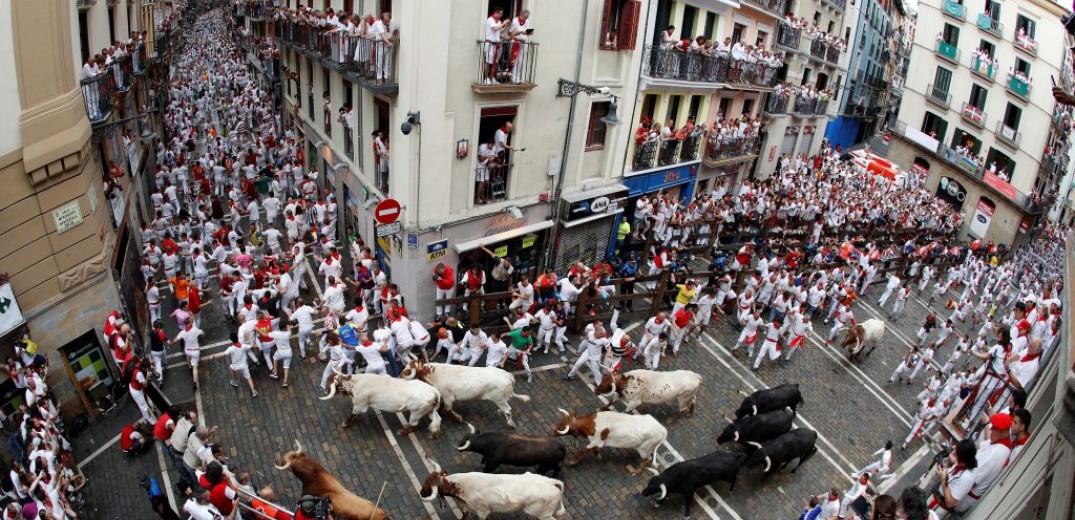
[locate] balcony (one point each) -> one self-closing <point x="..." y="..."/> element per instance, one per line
<point x="670" y="64"/>
<point x="837" y="4"/>
<point x="371" y="63"/>
<point x="984" y="69"/>
<point x="955" y="10"/>
<point x="1019" y="86"/>
<point x="973" y="114"/>
<point x="989" y="25"/>
<point x="948" y="52"/>
<point x="776" y="8"/>
<point x="789" y="37"/>
<point x="938" y="97"/>
<point x="645" y="155"/>
<point x="505" y="67"/>
<point x="255" y="10"/>
<point x="138" y="60"/>
<point x="723" y="149"/>
<point x="97" y="93"/>
<point x="348" y="141"/>
<point x="822" y="107"/>
<point x="963" y="162"/>
<point x="122" y="73"/>
<point x="1007" y="135"/>
<point x="493" y="186"/>
<point x="777" y="104"/>
<point x="805" y="106"/>
<point x="822" y="51"/>
<point x="1025" y="43"/>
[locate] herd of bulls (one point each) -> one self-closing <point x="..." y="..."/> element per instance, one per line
<point x="762" y="427"/>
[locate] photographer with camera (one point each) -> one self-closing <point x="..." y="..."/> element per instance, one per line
<point x="956" y="478"/>
<point x="313" y="508"/>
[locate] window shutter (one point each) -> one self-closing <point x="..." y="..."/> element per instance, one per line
<point x="629" y="24"/>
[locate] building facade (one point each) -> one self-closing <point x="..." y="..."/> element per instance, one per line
<point x="73" y="151"/>
<point x="551" y="198"/>
<point x="860" y="108"/>
<point x="972" y="115"/>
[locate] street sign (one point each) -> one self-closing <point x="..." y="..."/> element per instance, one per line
<point x="389" y="229"/>
<point x="387" y="211"/>
<point x="436" y="250"/>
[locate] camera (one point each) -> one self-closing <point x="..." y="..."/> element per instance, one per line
<point x="318" y="508"/>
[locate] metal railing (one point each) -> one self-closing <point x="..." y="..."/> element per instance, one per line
<point x="948" y="51"/>
<point x="989" y="25"/>
<point x="723" y="147"/>
<point x="777" y="7"/>
<point x="777" y="104"/>
<point x="1018" y="87"/>
<point x="374" y="60"/>
<point x="832" y="54"/>
<point x="1008" y="134"/>
<point x="962" y="161"/>
<point x="818" y="48"/>
<point x="1025" y="43"/>
<point x="789" y="37"/>
<point x="138" y="60"/>
<point x="122" y="73"/>
<point x="506" y="63"/>
<point x="665" y="63"/>
<point x="691" y="147"/>
<point x="973" y="114"/>
<point x="646" y="155"/>
<point x="822" y="107"/>
<point x="985" y="70"/>
<point x="97" y="93"/>
<point x="839" y="4"/>
<point x="495" y="189"/>
<point x="805" y="106"/>
<point x="938" y="95"/>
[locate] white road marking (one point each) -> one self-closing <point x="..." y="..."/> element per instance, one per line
<point x="887" y="400"/>
<point x="99" y="451"/>
<point x="166" y="480"/>
<point x="415" y="481"/>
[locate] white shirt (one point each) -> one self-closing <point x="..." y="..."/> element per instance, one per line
<point x="492" y="30"/>
<point x="655" y="329"/>
<point x="237" y="356"/>
<point x="190" y="338"/>
<point x="991" y="460"/>
<point x="201" y="512"/>
<point x="495" y="352"/>
<point x="372" y="354"/>
<point x="304" y="316"/>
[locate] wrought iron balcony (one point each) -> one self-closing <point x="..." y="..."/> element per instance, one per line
<point x="138" y="60"/>
<point x="720" y="149"/>
<point x="990" y="25"/>
<point x="1025" y="43"/>
<point x="838" y="4"/>
<point x="646" y="155"/>
<point x="1019" y="87"/>
<point x="804" y="106"/>
<point x="495" y="188"/>
<point x="973" y="114"/>
<point x="122" y="72"/>
<point x="374" y="63"/>
<point x="788" y="37"/>
<point x="1007" y="135"/>
<point x="505" y="67"/>
<point x="948" y="51"/>
<point x="938" y="96"/>
<point x="777" y="104"/>
<point x="822" y="107"/>
<point x="665" y="63"/>
<point x="97" y="93"/>
<point x="955" y="10"/>
<point x="775" y="7"/>
<point x="984" y="70"/>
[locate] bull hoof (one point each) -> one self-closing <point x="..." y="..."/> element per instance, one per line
<point x="434" y="435"/>
<point x="345" y="424"/>
<point x="633" y="470"/>
<point x="455" y="416"/>
<point x="406" y="430"/>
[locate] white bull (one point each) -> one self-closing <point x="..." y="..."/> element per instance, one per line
<point x="389" y="394"/>
<point x="641" y="433"/>
<point x="867" y="333"/>
<point x="485" y="493"/>
<point x="638" y="387"/>
<point x="465" y="383"/>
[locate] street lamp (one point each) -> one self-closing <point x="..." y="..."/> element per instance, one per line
<point x="572" y="89"/>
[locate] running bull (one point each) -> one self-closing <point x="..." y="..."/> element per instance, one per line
<point x="800" y="443"/>
<point x="498" y="448"/>
<point x="639" y="387"/>
<point x="686" y="477"/>
<point x="318" y="482"/>
<point x="862" y="335"/>
<point x="757" y="428"/>
<point x="641" y="433"/>
<point x="767" y="400"/>
<point x="484" y="494"/>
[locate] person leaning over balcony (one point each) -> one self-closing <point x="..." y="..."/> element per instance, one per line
<point x="491" y="48"/>
<point x="500" y="141"/>
<point x="520" y="32"/>
<point x="487" y="158"/>
<point x="381" y="32"/>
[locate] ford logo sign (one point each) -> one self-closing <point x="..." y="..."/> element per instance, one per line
<point x="982" y="219"/>
<point x="599" y="205"/>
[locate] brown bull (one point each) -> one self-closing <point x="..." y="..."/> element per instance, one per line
<point x="863" y="335"/>
<point x="318" y="482"/>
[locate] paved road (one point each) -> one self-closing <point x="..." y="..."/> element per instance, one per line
<point x="853" y="408"/>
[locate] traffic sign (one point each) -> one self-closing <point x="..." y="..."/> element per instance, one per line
<point x="387" y="211"/>
<point x="389" y="229"/>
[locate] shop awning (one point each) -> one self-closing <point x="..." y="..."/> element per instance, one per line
<point x="596" y="192"/>
<point x="463" y="247"/>
<point x="590" y="218"/>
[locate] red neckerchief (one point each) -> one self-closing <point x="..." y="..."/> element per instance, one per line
<point x="1020" y="441"/>
<point x="1006" y="441"/>
<point x="1030" y="357"/>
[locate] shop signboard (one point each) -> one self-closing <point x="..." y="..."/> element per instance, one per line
<point x="952" y="192"/>
<point x="389" y="229"/>
<point x="606" y="204"/>
<point x="983" y="215"/>
<point x="10" y="313"/>
<point x="436" y="251"/>
<point x="87" y="361"/>
<point x="528" y="241"/>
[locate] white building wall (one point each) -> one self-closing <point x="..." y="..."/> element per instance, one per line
<point x="10" y="106"/>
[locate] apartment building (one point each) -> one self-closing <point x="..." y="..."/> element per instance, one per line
<point x="413" y="114"/>
<point x="73" y="152"/>
<point x="977" y="111"/>
<point x="860" y="107"/>
<point x="813" y="75"/>
<point x="900" y="40"/>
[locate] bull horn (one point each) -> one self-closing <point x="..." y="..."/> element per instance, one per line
<point x="726" y="418"/>
<point x="436" y="467"/>
<point x="464" y="447"/>
<point x="664" y="492"/>
<point x="331" y="392"/>
<point x="613" y="384"/>
<point x="752" y="443"/>
<point x="472" y="429"/>
<point x="287" y="463"/>
<point x="768" y="463"/>
<point x="736" y="437"/>
<point x="566" y="429"/>
<point x="652" y="470"/>
<point x="412" y="356"/>
<point x="742" y="393"/>
<point x="432" y="496"/>
<point x="790" y="409"/>
<point x="298" y="446"/>
<point x="564" y="412"/>
<point x="754" y="409"/>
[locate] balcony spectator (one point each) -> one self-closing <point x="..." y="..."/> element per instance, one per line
<point x="380" y="160"/>
<point x="381" y="32"/>
<point x="494" y="26"/>
<point x="500" y="142"/>
<point x="667" y="40"/>
<point x="519" y="33"/>
<point x="487" y="159"/>
<point x="90" y="69"/>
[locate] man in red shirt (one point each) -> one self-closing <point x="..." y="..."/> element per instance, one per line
<point x="444" y="278"/>
<point x="131" y="439"/>
<point x="682" y="320"/>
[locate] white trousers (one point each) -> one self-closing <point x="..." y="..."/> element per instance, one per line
<point x="591" y="357"/>
<point x="143" y="406"/>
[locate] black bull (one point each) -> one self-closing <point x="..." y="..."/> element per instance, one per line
<point x="498" y="448"/>
<point x="767" y="400"/>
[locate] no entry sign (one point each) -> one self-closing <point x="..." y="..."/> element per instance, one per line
<point x="387" y="211"/>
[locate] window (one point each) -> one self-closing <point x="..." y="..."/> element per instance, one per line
<point x="950" y="35"/>
<point x="817" y="18"/>
<point x="649" y="106"/>
<point x="966" y="140"/>
<point x="847" y="34"/>
<point x="1025" y="24"/>
<point x="942" y="79"/>
<point x="619" y="24"/>
<point x="988" y="48"/>
<point x="761" y="39"/>
<point x="934" y="125"/>
<point x="832" y="26"/>
<point x="696" y="104"/>
<point x="748" y="106"/>
<point x="806" y="76"/>
<point x="999" y="163"/>
<point x="725" y="104"/>
<point x="595" y="132"/>
<point x="710" y="25"/>
<point x="992" y="10"/>
<point x="690" y="14"/>
<point x="84" y="34"/>
<point x="977" y="96"/>
<point x="1023" y="66"/>
<point x="326" y="100"/>
<point x="673" y="109"/>
<point x="111" y="24"/>
<point x="491" y="183"/>
<point x="737" y="32"/>
<point x="1012" y="114"/>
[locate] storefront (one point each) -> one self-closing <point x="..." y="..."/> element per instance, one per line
<point x="89" y="368"/>
<point x="588" y="225"/>
<point x="505" y="236"/>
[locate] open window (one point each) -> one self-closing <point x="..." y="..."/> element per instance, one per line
<point x="494" y="160"/>
<point x="619" y="24"/>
